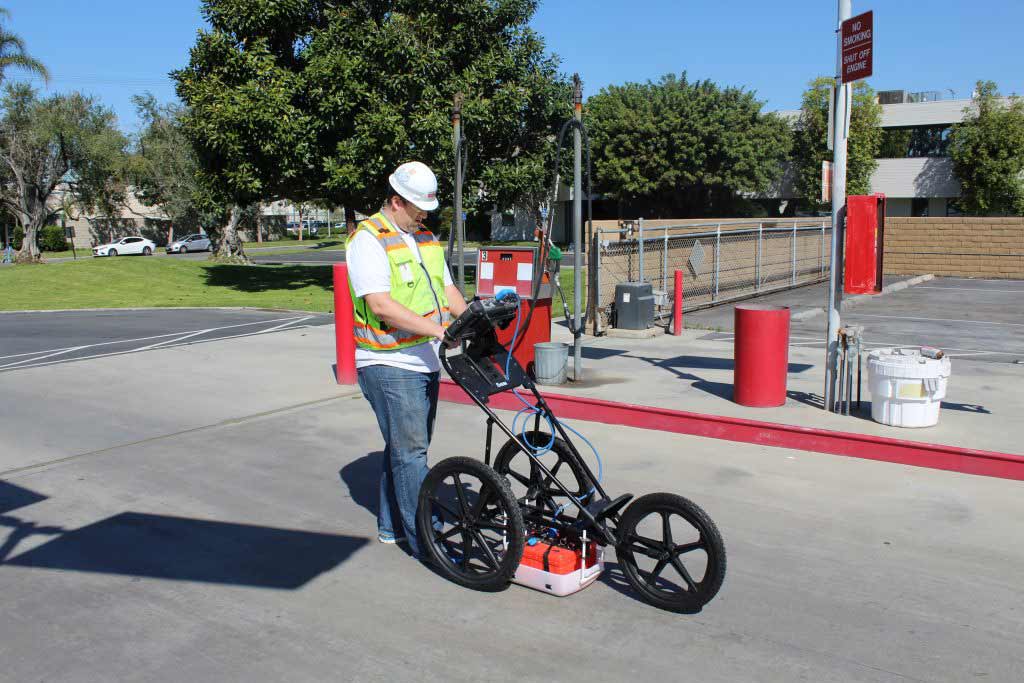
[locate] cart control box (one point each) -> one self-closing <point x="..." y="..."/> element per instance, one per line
<point x="557" y="570"/>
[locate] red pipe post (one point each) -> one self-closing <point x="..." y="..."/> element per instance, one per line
<point x="677" y="305"/>
<point x="761" y="354"/>
<point x="344" y="341"/>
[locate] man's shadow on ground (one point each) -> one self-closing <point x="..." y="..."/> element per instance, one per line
<point x="362" y="476"/>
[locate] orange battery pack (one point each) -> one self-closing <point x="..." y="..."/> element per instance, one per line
<point x="557" y="560"/>
<point x="558" y="571"/>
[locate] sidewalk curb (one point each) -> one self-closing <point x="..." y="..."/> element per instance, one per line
<point x="853" y="301"/>
<point x="865" y="446"/>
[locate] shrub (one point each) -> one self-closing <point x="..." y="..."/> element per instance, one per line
<point x="51" y="238"/>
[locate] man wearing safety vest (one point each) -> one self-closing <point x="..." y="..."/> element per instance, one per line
<point x="403" y="299"/>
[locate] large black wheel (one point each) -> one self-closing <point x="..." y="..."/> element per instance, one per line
<point x="671" y="552"/>
<point x="536" y="491"/>
<point x="469" y="525"/>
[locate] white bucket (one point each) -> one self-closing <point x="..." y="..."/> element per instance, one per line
<point x="550" y="360"/>
<point x="906" y="388"/>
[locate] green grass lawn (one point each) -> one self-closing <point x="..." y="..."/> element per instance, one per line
<point x="139" y="282"/>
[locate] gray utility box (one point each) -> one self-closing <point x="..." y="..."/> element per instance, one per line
<point x="634" y="306"/>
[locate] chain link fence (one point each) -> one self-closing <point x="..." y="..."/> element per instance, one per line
<point x="721" y="262"/>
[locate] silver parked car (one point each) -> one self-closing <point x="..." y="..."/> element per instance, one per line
<point x="125" y="245"/>
<point x="196" y="242"/>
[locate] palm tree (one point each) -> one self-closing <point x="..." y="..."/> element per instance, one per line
<point x="12" y="53"/>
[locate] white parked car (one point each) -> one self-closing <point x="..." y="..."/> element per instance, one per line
<point x="126" y="245"/>
<point x="189" y="243"/>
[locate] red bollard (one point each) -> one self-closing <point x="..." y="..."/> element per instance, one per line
<point x="344" y="341"/>
<point x="761" y="353"/>
<point x="677" y="306"/>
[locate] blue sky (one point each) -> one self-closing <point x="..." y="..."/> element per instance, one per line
<point x="116" y="48"/>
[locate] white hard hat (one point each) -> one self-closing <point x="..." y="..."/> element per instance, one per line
<point x="417" y="183"/>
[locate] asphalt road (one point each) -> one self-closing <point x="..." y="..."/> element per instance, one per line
<point x="978" y="319"/>
<point x="47" y="338"/>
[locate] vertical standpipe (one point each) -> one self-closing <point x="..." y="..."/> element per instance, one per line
<point x="840" y="131"/>
<point x="577" y="227"/>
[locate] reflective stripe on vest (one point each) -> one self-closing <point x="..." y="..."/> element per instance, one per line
<point x="420" y="288"/>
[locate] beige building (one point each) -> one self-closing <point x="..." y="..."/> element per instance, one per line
<point x="89" y="229"/>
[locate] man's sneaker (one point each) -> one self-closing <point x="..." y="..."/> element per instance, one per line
<point x="389" y="539"/>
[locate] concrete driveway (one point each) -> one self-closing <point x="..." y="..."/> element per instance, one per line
<point x="162" y="527"/>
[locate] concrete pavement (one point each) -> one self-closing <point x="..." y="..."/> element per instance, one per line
<point x="220" y="526"/>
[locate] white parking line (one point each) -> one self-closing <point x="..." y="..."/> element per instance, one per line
<point x="171" y="341"/>
<point x="171" y="345"/>
<point x="936" y="320"/>
<point x="161" y="336"/>
<point x="974" y="289"/>
<point x="36" y="353"/>
<point x="32" y="360"/>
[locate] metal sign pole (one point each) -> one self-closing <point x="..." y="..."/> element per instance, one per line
<point x="577" y="227"/>
<point x="459" y="225"/>
<point x="841" y="132"/>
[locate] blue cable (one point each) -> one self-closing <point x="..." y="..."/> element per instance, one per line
<point x="529" y="410"/>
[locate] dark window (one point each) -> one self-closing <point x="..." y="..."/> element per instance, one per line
<point x="919" y="207"/>
<point x="953" y="208"/>
<point x="915" y="141"/>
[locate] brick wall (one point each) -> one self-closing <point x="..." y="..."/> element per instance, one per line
<point x="957" y="247"/>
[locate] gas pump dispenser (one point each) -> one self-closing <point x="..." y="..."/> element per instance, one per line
<point x="513" y="268"/>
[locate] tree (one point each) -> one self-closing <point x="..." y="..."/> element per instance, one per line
<point x="810" y="141"/>
<point x="163" y="168"/>
<point x="62" y="144"/>
<point x="12" y="53"/>
<point x="677" y="148"/>
<point x="318" y="100"/>
<point x="987" y="148"/>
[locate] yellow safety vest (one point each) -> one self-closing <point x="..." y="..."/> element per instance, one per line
<point x="417" y="286"/>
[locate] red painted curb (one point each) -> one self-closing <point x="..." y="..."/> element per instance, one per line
<point x="935" y="456"/>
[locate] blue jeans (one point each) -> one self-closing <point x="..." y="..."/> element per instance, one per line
<point x="405" y="403"/>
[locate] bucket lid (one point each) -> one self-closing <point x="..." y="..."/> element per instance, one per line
<point x="907" y="362"/>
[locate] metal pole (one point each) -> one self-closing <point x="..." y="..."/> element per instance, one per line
<point x="596" y="260"/>
<point x="821" y="251"/>
<point x="841" y="133"/>
<point x="577" y="227"/>
<point x="641" y="242"/>
<point x="792" y="257"/>
<point x="460" y="228"/>
<point x="718" y="255"/>
<point x="760" y="240"/>
<point x="664" y="261"/>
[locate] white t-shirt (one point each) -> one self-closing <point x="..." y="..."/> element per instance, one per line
<point x="370" y="272"/>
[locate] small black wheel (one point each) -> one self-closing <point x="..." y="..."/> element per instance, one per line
<point x="469" y="525"/>
<point x="536" y="491"/>
<point x="112" y="252"/>
<point x="671" y="552"/>
<point x="146" y="251"/>
<point x="183" y="249"/>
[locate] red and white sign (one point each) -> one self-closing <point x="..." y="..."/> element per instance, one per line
<point x="858" y="53"/>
